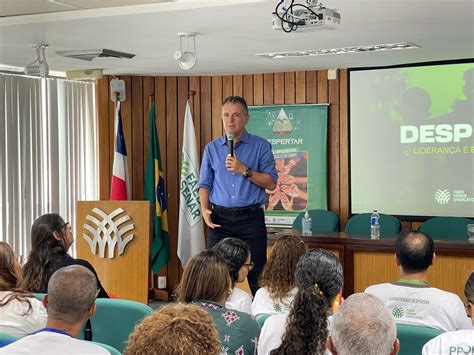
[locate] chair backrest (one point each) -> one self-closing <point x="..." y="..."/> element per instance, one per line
<point x="6" y="339"/>
<point x="262" y="318"/>
<point x="360" y="224"/>
<point x="412" y="338"/>
<point x="115" y="320"/>
<point x="39" y="296"/>
<point x="110" y="349"/>
<point x="446" y="228"/>
<point x="321" y="221"/>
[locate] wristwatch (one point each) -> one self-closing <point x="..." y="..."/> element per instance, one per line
<point x="248" y="173"/>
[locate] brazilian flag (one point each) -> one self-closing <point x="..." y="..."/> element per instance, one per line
<point x="155" y="193"/>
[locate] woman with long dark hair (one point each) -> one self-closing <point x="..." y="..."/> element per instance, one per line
<point x="51" y="238"/>
<point x="277" y="280"/>
<point x="206" y="283"/>
<point x="20" y="312"/>
<point x="236" y="254"/>
<point x="319" y="280"/>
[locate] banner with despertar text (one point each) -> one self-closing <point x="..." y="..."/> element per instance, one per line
<point x="298" y="134"/>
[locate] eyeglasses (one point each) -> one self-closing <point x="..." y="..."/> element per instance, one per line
<point x="250" y="265"/>
<point x="97" y="293"/>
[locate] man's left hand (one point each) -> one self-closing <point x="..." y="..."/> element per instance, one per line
<point x="234" y="165"/>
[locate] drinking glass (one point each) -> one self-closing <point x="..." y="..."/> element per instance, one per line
<point x="470" y="232"/>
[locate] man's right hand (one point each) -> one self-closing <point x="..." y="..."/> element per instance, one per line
<point x="206" y="214"/>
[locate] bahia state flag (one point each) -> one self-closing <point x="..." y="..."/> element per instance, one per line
<point x="191" y="228"/>
<point x="155" y="193"/>
<point x="120" y="186"/>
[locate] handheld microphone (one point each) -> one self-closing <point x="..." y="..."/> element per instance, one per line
<point x="230" y="144"/>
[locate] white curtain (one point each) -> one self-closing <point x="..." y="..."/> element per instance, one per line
<point x="48" y="152"/>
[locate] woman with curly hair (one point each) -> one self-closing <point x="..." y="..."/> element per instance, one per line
<point x="51" y="238"/>
<point x="175" y="329"/>
<point x="278" y="277"/>
<point x="20" y="312"/>
<point x="304" y="330"/>
<point x="236" y="254"/>
<point x="206" y="283"/>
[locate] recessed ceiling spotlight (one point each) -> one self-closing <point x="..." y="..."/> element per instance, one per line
<point x="344" y="50"/>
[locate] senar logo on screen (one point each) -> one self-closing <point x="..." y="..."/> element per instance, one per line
<point x="442" y="196"/>
<point x="442" y="133"/>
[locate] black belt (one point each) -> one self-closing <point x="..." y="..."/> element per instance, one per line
<point x="236" y="210"/>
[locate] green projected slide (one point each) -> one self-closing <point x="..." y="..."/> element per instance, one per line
<point x="412" y="140"/>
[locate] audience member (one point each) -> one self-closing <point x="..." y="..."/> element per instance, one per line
<point x="363" y="325"/>
<point x="278" y="277"/>
<point x="236" y="253"/>
<point x="304" y="330"/>
<point x="51" y="238"/>
<point x="20" y="312"/>
<point x="411" y="299"/>
<point x="461" y="341"/>
<point x="175" y="329"/>
<point x="70" y="302"/>
<point x="206" y="282"/>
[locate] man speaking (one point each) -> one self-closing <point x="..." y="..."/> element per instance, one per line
<point x="236" y="169"/>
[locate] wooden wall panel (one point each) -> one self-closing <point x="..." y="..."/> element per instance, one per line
<point x="170" y="95"/>
<point x="137" y="136"/>
<point x="103" y="99"/>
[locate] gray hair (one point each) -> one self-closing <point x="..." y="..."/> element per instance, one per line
<point x="71" y="293"/>
<point x="237" y="100"/>
<point x="363" y="325"/>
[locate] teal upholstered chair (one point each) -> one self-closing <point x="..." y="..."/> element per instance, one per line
<point x="360" y="224"/>
<point x="262" y="318"/>
<point x="6" y="339"/>
<point x="321" y="221"/>
<point x="110" y="349"/>
<point x="39" y="296"/>
<point x="413" y="338"/>
<point x="446" y="228"/>
<point x="115" y="320"/>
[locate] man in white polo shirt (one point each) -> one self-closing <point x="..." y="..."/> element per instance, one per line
<point x="462" y="341"/>
<point x="411" y="299"/>
<point x="70" y="302"/>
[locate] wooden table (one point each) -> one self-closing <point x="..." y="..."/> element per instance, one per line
<point x="367" y="262"/>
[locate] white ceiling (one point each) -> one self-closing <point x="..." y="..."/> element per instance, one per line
<point x="231" y="32"/>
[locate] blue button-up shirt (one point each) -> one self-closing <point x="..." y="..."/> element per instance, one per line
<point x="230" y="189"/>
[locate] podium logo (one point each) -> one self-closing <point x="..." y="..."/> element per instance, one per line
<point x="107" y="232"/>
<point x="442" y="196"/>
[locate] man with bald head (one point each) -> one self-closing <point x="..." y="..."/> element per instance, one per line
<point x="70" y="302"/>
<point x="411" y="299"/>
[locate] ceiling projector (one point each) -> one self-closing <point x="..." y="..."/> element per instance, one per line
<point x="312" y="16"/>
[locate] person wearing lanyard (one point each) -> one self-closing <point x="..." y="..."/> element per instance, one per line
<point x="411" y="298"/>
<point x="232" y="185"/>
<point x="70" y="301"/>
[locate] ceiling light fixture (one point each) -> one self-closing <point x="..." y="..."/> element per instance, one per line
<point x="186" y="55"/>
<point x="344" y="50"/>
<point x="38" y="67"/>
<point x="89" y="54"/>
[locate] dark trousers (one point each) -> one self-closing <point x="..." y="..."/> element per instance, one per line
<point x="247" y="225"/>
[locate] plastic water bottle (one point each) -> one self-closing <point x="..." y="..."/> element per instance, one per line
<point x="375" y="225"/>
<point x="306" y="224"/>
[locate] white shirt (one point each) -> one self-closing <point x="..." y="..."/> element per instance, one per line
<point x="239" y="300"/>
<point x="460" y="342"/>
<point x="421" y="305"/>
<point x="263" y="303"/>
<point x="272" y="333"/>
<point x="52" y="343"/>
<point x="13" y="319"/>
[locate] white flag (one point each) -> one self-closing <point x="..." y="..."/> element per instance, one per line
<point x="191" y="230"/>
